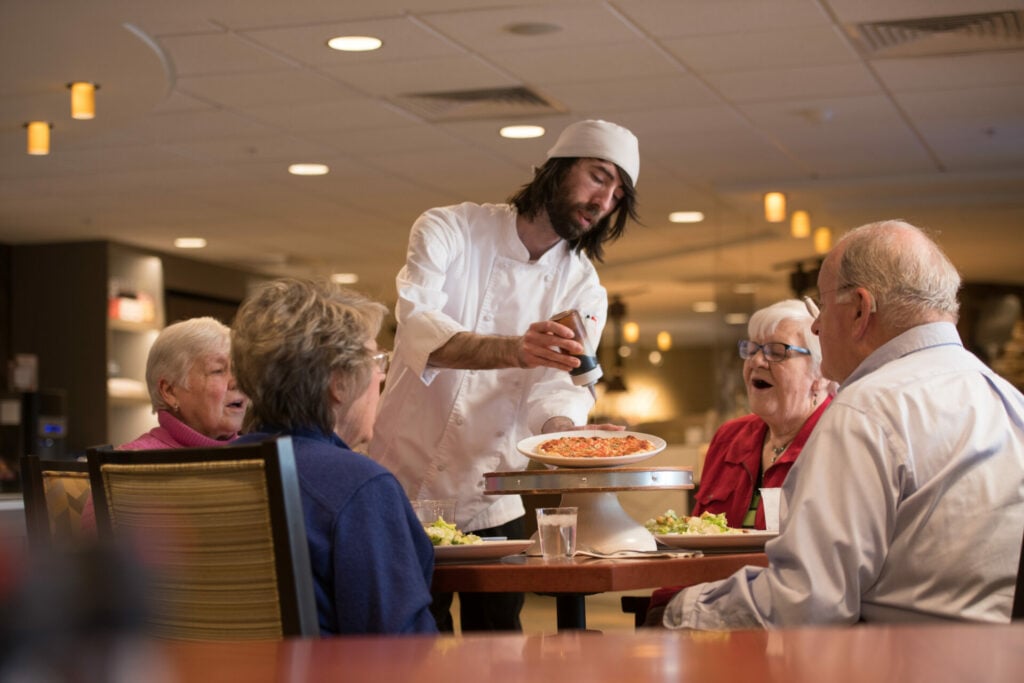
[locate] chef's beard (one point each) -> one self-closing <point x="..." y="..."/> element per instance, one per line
<point x="564" y="217"/>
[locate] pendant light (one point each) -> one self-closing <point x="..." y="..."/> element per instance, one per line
<point x="38" y="137"/>
<point x="822" y="240"/>
<point x="774" y="207"/>
<point x="800" y="225"/>
<point x="83" y="100"/>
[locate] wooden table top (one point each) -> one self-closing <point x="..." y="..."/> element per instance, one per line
<point x="857" y="654"/>
<point x="520" y="573"/>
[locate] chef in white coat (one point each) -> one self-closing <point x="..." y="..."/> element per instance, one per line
<point x="478" y="364"/>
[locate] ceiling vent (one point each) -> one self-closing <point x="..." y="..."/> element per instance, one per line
<point x="929" y="36"/>
<point x="486" y="103"/>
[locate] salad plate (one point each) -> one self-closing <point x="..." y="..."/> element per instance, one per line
<point x="746" y="539"/>
<point x="484" y="550"/>
<point x="529" y="446"/>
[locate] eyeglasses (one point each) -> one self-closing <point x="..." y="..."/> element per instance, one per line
<point x="775" y="352"/>
<point x="383" y="360"/>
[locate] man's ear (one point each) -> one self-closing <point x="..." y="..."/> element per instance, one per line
<point x="865" y="307"/>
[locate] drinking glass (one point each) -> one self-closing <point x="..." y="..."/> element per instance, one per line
<point x="556" y="528"/>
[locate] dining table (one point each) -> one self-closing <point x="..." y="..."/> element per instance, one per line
<point x="571" y="580"/>
<point x="936" y="653"/>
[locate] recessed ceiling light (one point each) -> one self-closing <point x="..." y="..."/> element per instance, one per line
<point x="308" y="169"/>
<point x="190" y="243"/>
<point x="355" y="43"/>
<point x="686" y="216"/>
<point x="522" y="132"/>
<point x="705" y="307"/>
<point x="736" y="318"/>
<point x="345" y="278"/>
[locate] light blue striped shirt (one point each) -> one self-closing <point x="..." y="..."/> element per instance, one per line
<point x="907" y="503"/>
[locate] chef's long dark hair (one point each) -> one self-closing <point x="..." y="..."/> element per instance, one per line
<point x="547" y="182"/>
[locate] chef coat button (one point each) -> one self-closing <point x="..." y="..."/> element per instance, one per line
<point x="500" y="434"/>
<point x="459" y="420"/>
<point x="442" y="468"/>
<point x="488" y="317"/>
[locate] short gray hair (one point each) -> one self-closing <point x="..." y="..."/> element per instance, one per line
<point x="905" y="270"/>
<point x="764" y="322"/>
<point x="177" y="348"/>
<point x="290" y="337"/>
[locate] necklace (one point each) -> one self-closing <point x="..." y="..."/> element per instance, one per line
<point x="777" y="451"/>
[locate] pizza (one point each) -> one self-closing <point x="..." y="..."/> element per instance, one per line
<point x="594" y="446"/>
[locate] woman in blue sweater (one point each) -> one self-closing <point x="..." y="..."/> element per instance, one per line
<point x="305" y="352"/>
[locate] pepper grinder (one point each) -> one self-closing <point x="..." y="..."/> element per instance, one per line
<point x="589" y="370"/>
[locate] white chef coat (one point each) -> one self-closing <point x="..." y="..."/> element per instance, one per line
<point x="439" y="430"/>
<point x="907" y="503"/>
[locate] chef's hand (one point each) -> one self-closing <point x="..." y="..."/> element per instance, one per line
<point x="564" y="424"/>
<point x="550" y="345"/>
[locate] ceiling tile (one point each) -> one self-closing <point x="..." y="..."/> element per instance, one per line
<point x="635" y="92"/>
<point x="671" y="18"/>
<point x="217" y="53"/>
<point x="403" y="38"/>
<point x="956" y="71"/>
<point x="589" y="64"/>
<point x="803" y="82"/>
<point x="751" y="50"/>
<point x="403" y="77"/>
<point x="486" y="32"/>
<point x="243" y="90"/>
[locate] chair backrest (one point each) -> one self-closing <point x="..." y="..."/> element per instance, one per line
<point x="222" y="533"/>
<point x="1018" y="596"/>
<point x="55" y="493"/>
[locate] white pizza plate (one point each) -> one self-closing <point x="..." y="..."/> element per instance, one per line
<point x="528" y="447"/>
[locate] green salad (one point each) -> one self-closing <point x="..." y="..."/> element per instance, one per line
<point x="445" y="533"/>
<point x="707" y="523"/>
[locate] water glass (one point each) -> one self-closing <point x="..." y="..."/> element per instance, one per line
<point x="429" y="511"/>
<point x="556" y="528"/>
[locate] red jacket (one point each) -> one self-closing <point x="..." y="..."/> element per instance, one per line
<point x="733" y="463"/>
<point x="730" y="473"/>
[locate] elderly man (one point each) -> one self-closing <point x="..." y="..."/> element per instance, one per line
<point x="908" y="503"/>
<point x="478" y="363"/>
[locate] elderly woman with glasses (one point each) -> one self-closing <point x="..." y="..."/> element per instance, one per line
<point x="306" y="354"/>
<point x="787" y="394"/>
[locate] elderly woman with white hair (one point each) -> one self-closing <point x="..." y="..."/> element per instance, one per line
<point x="193" y="392"/>
<point x="192" y="388"/>
<point x="787" y="395"/>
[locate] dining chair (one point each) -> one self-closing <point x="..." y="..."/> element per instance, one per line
<point x="55" y="492"/>
<point x="220" y="532"/>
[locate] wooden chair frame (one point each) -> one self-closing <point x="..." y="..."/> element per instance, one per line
<point x="291" y="549"/>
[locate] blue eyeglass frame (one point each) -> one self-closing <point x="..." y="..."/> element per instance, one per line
<point x="745" y="344"/>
